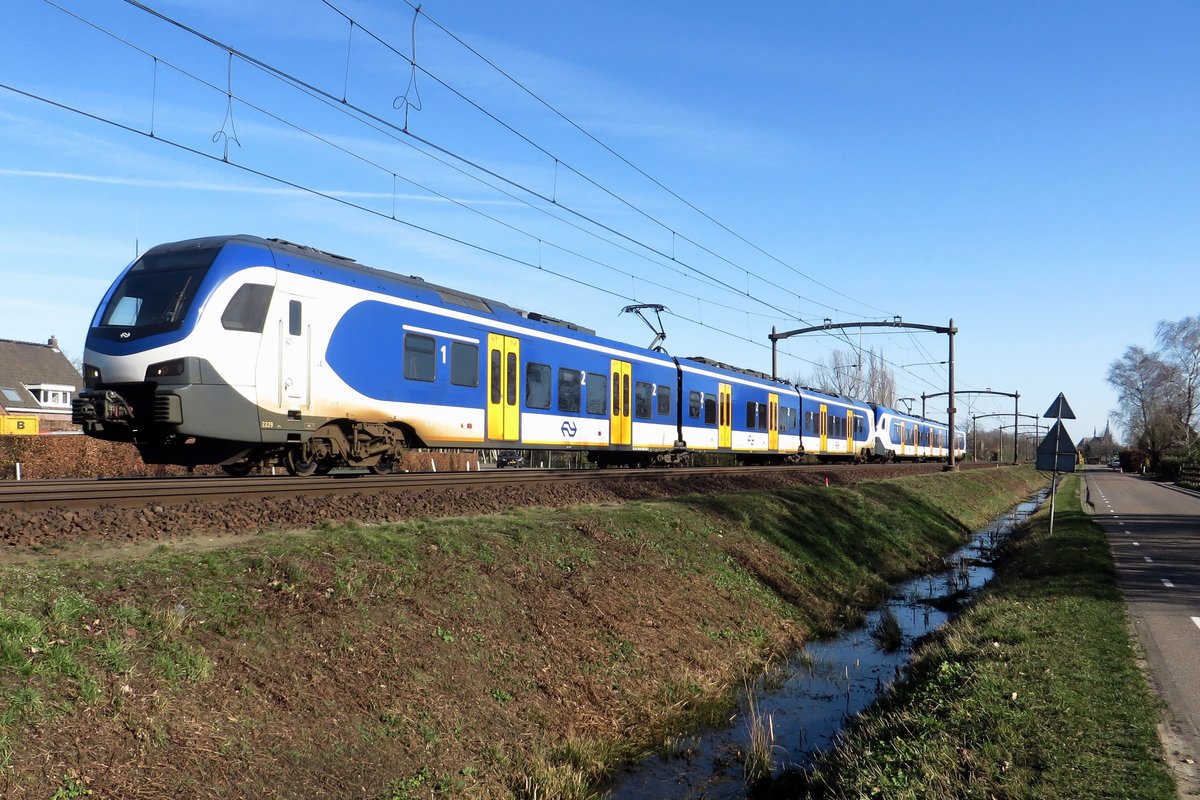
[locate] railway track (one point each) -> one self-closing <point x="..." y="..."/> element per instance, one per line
<point x="78" y="494"/>
<point x="36" y="517"/>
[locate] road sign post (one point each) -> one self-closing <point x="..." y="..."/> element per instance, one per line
<point x="1057" y="452"/>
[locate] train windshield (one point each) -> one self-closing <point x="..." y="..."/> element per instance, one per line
<point x="155" y="295"/>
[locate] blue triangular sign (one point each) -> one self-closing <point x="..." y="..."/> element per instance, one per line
<point x="1057" y="451"/>
<point x="1059" y="409"/>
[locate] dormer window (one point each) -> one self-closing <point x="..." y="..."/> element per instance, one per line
<point x="52" y="395"/>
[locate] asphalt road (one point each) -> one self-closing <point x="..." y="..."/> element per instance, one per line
<point x="1154" y="532"/>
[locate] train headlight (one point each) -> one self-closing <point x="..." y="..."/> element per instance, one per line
<point x="91" y="376"/>
<point x="165" y="369"/>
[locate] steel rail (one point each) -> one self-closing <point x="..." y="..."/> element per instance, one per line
<point x="43" y="494"/>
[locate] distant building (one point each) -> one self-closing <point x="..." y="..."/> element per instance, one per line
<point x="1098" y="449"/>
<point x="38" y="380"/>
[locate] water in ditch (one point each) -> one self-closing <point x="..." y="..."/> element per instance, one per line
<point x="804" y="704"/>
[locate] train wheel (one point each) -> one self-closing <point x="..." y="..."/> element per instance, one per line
<point x="384" y="466"/>
<point x="296" y="464"/>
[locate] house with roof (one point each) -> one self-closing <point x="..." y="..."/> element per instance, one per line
<point x="38" y="380"/>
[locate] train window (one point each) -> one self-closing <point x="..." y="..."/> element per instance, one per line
<point x="295" y="323"/>
<point x="495" y="381"/>
<point x="859" y="428"/>
<point x="247" y="309"/>
<point x="537" y="385"/>
<point x="695" y="403"/>
<point x="897" y="432"/>
<point x="570" y="387"/>
<point x="787" y="419"/>
<point x="464" y="364"/>
<point x="751" y="414"/>
<point x="641" y="397"/>
<point x="597" y="393"/>
<point x="419" y="364"/>
<point x="155" y="295"/>
<point x="510" y="375"/>
<point x="710" y="409"/>
<point x="664" y="400"/>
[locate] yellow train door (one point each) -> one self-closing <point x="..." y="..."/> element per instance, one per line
<point x="504" y="389"/>
<point x="824" y="429"/>
<point x="619" y="416"/>
<point x="850" y="432"/>
<point x="772" y="422"/>
<point x="724" y="415"/>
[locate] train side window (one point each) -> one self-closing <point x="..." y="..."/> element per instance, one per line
<point x="570" y="387"/>
<point x="295" y="323"/>
<point x="664" y="400"/>
<point x="859" y="428"/>
<point x="695" y="404"/>
<point x="896" y="431"/>
<point x="464" y="364"/>
<point x="762" y="416"/>
<point x="710" y="409"/>
<point x="641" y="399"/>
<point x="537" y="385"/>
<point x="597" y="393"/>
<point x="751" y="414"/>
<point x="419" y="363"/>
<point x="247" y="309"/>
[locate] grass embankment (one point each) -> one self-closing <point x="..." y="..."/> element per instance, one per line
<point x="1034" y="692"/>
<point x="518" y="655"/>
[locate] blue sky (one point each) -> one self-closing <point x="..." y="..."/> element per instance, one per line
<point x="1027" y="169"/>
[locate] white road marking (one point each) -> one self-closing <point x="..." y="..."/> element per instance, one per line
<point x="1197" y="621"/>
<point x="1168" y="584"/>
<point x="1137" y="544"/>
<point x="1149" y="560"/>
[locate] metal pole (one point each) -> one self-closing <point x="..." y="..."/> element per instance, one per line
<point x="952" y="409"/>
<point x="1016" y="421"/>
<point x="774" y="355"/>
<point x="1053" y="491"/>
<point x="922" y="405"/>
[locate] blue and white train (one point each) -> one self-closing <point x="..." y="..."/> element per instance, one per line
<point x="243" y="351"/>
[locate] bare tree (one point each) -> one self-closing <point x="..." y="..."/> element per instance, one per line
<point x="881" y="381"/>
<point x="859" y="374"/>
<point x="1179" y="348"/>
<point x="1142" y="382"/>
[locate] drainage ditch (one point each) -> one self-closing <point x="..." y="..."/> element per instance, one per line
<point x="797" y="708"/>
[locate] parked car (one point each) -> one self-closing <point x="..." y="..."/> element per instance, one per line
<point x="1115" y="463"/>
<point x="510" y="458"/>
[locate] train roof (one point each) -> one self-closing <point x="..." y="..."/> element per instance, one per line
<point x="345" y="263"/>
